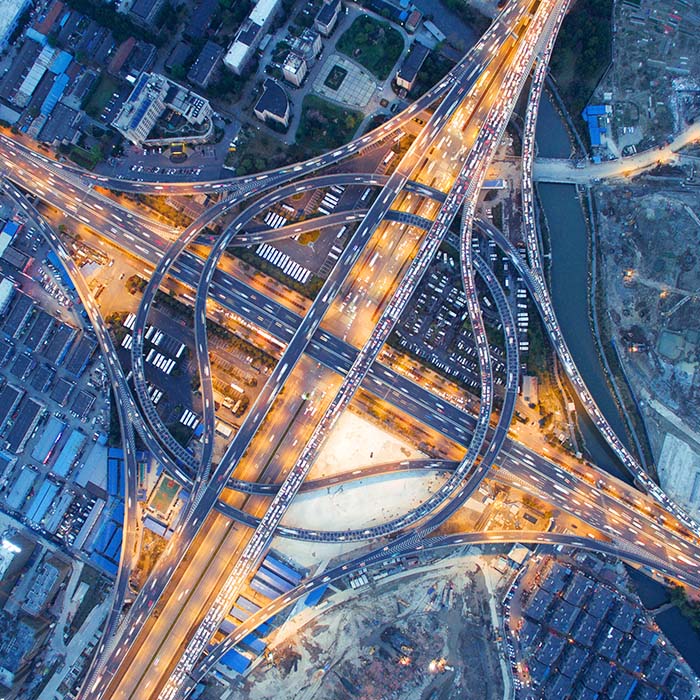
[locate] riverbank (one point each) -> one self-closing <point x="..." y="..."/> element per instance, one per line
<point x="568" y="240"/>
<point x="655" y="598"/>
<point x="571" y="270"/>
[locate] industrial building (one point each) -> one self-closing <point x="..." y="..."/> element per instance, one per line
<point x="7" y="291"/>
<point x="249" y="35"/>
<point x="7" y="234"/>
<point x="69" y="453"/>
<point x="48" y="440"/>
<point x="80" y="355"/>
<point x="19" y="314"/>
<point x="597" y="118"/>
<point x="57" y="346"/>
<point x="28" y="415"/>
<point x="9" y="398"/>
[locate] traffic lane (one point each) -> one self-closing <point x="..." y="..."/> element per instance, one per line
<point x="159" y="638"/>
<point x="265" y="531"/>
<point x="202" y="466"/>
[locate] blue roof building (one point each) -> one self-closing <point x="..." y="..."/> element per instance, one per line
<point x="314" y="598"/>
<point x="55" y="93"/>
<point x="66" y="457"/>
<point x="593" y="115"/>
<point x="235" y="661"/>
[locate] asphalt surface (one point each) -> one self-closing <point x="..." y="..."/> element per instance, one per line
<point x="303" y="335"/>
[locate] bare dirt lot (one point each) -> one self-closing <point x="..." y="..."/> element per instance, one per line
<point x="416" y="636"/>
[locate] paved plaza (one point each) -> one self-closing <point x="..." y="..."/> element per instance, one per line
<point x="356" y="88"/>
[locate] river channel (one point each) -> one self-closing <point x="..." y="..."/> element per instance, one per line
<point x="569" y="269"/>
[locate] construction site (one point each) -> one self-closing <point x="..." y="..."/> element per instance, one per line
<point x="429" y="632"/>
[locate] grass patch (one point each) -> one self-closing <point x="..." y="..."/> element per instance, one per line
<point x="373" y="44"/>
<point x="335" y="77"/>
<point x="85" y="159"/>
<point x="100" y="96"/>
<point x="582" y="53"/>
<point x="259" y="151"/>
<point x="326" y="125"/>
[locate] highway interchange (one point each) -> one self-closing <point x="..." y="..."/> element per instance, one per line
<point x="163" y="652"/>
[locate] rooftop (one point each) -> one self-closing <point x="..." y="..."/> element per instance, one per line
<point x="273" y="100"/>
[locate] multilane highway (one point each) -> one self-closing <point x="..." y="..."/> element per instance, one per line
<point x="473" y="171"/>
<point x="383" y="383"/>
<point x="304" y="336"/>
<point x="195" y="520"/>
<point x="473" y="61"/>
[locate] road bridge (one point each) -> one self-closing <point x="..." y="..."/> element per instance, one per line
<point x="566" y="171"/>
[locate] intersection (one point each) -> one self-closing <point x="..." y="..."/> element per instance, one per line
<point x="161" y="654"/>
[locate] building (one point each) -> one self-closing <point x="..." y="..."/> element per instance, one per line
<point x="530" y="392"/>
<point x="206" y="64"/>
<point x="33" y="77"/>
<point x="62" y="126"/>
<point x="597" y="117"/>
<point x="327" y="17"/>
<point x="7" y="234"/>
<point x="294" y="68"/>
<point x="407" y="74"/>
<point x="45" y="583"/>
<point x="10" y="13"/>
<point x="413" y="21"/>
<point x="178" y="56"/>
<point x="200" y="19"/>
<point x="45" y="22"/>
<point x="28" y="415"/>
<point x="249" y="35"/>
<point x="434" y="31"/>
<point x="273" y="104"/>
<point x="145" y="12"/>
<point x="152" y="94"/>
<point x="139" y="113"/>
<point x="120" y="56"/>
<point x="18" y="649"/>
<point x="7" y="291"/>
<point x="308" y="44"/>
